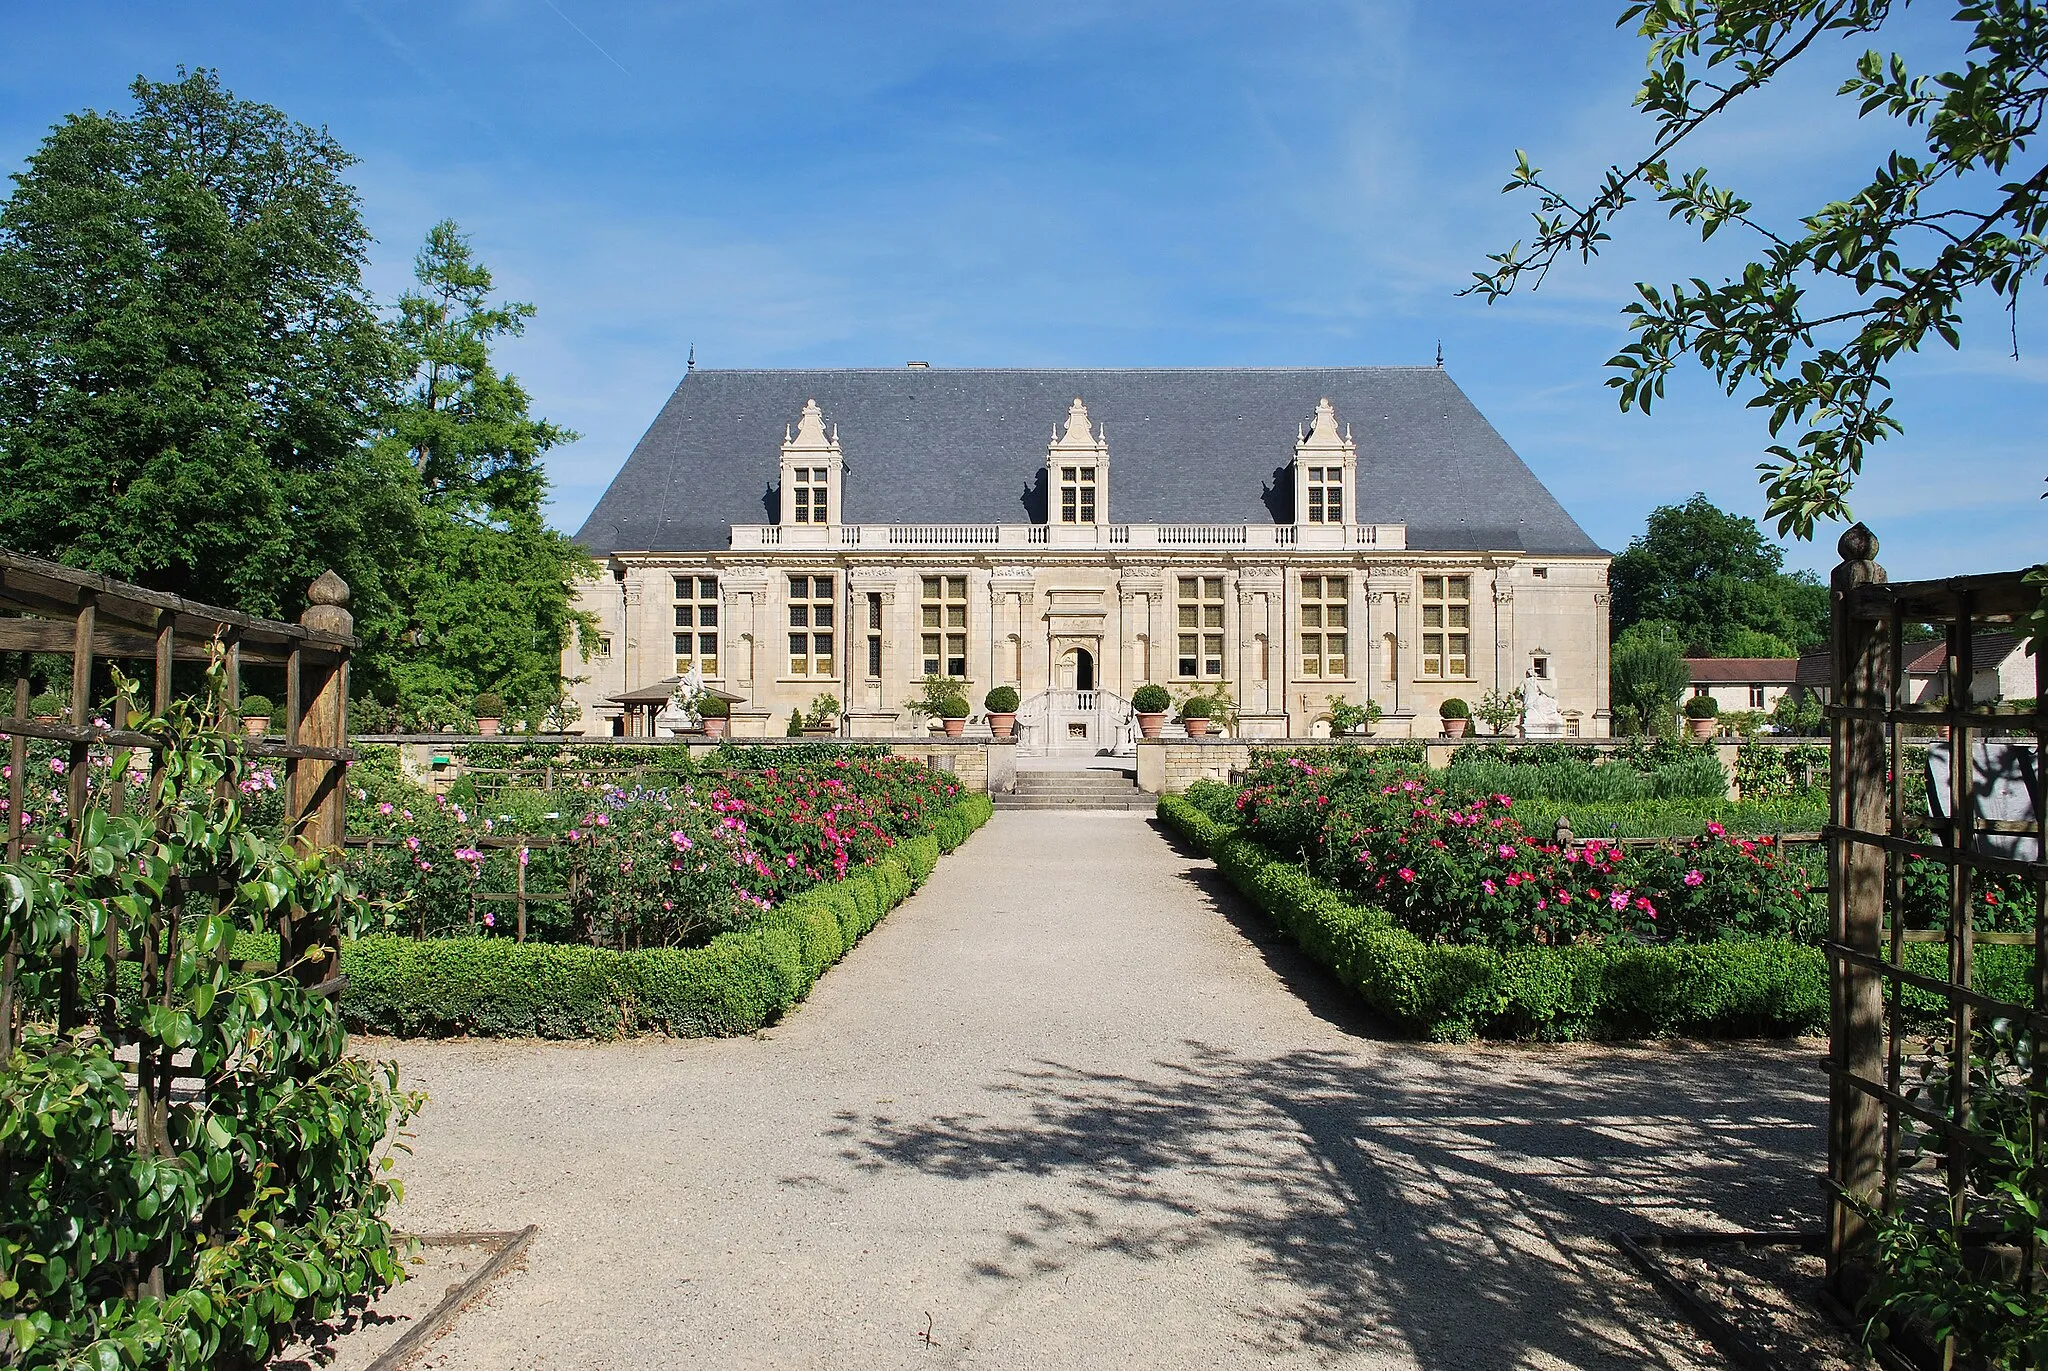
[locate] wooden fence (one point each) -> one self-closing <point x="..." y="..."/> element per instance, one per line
<point x="49" y="608"/>
<point x="1874" y="1100"/>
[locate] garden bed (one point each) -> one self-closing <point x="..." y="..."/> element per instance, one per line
<point x="1452" y="921"/>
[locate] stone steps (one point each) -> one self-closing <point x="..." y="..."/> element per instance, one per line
<point x="1075" y="790"/>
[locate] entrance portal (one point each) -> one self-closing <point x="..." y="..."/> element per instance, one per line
<point x="1084" y="669"/>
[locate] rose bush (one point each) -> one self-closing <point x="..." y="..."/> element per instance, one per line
<point x="666" y="865"/>
<point x="1458" y="869"/>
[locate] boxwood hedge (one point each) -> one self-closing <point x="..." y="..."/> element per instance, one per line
<point x="737" y="983"/>
<point x="1447" y="992"/>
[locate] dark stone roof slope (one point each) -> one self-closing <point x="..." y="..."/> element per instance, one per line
<point x="1185" y="446"/>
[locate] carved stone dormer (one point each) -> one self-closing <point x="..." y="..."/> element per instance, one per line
<point x="1325" y="471"/>
<point x="813" y="470"/>
<point x="1077" y="472"/>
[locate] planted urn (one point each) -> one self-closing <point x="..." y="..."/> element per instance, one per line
<point x="1151" y="703"/>
<point x="1456" y="716"/>
<point x="1001" y="704"/>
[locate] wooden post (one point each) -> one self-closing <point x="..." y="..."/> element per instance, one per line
<point x="316" y="790"/>
<point x="1857" y="801"/>
<point x="519" y="866"/>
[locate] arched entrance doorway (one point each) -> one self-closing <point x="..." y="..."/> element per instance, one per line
<point x="1077" y="670"/>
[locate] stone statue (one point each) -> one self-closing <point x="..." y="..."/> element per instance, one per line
<point x="1540" y="715"/>
<point x="680" y="714"/>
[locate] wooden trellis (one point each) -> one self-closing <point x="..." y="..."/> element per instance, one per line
<point x="1871" y="836"/>
<point x="49" y="608"/>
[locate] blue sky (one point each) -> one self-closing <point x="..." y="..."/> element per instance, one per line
<point x="1064" y="184"/>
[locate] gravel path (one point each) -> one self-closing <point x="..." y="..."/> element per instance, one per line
<point x="1072" y="1106"/>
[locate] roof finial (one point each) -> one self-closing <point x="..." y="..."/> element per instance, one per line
<point x="691" y="365"/>
<point x="1439" y="354"/>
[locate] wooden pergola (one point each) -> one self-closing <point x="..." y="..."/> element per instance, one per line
<point x="643" y="705"/>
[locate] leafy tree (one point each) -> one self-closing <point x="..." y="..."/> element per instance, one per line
<point x="188" y="358"/>
<point x="1646" y="675"/>
<point x="1719" y="583"/>
<point x="1810" y="328"/>
<point x="489" y="590"/>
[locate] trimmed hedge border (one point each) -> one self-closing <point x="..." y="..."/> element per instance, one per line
<point x="737" y="983"/>
<point x="1759" y="987"/>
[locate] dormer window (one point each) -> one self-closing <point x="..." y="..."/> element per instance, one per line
<point x="812" y="469"/>
<point x="1326" y="495"/>
<point x="810" y="491"/>
<point x="1077" y="471"/>
<point x="1325" y="471"/>
<point x="1077" y="495"/>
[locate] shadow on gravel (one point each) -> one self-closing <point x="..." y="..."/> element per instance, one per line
<point x="1449" y="1203"/>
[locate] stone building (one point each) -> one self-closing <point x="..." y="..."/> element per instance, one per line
<point x="1286" y="534"/>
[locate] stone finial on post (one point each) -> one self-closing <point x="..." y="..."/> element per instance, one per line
<point x="1563" y="835"/>
<point x="1862" y="673"/>
<point x="327" y="606"/>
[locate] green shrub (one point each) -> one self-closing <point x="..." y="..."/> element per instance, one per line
<point x="1151" y="699"/>
<point x="1699" y="777"/>
<point x="795" y="728"/>
<point x="255" y="706"/>
<point x="489" y="705"/>
<point x="1214" y="799"/>
<point x="713" y="707"/>
<point x="1454" y="708"/>
<point x="1002" y="700"/>
<point x="736" y="983"/>
<point x="48" y="705"/>
<point x="1702" y="707"/>
<point x="1197" y="707"/>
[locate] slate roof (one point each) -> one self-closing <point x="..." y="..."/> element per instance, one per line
<point x="1743" y="670"/>
<point x="939" y="445"/>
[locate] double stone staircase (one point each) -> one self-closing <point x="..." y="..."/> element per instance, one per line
<point x="1075" y="790"/>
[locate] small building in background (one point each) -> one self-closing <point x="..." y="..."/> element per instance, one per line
<point x="2001" y="670"/>
<point x="1743" y="682"/>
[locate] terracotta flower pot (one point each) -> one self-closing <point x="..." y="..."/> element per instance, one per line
<point x="1701" y="728"/>
<point x="255" y="725"/>
<point x="1455" y="728"/>
<point x="1150" y="724"/>
<point x="955" y="727"/>
<point x="487" y="728"/>
<point x="1197" y="728"/>
<point x="1002" y="723"/>
<point x="714" y="728"/>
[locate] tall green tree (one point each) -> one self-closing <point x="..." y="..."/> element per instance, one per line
<point x="188" y="358"/>
<point x="488" y="595"/>
<point x="1646" y="676"/>
<point x="1719" y="583"/>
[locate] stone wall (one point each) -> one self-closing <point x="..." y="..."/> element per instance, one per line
<point x="1170" y="765"/>
<point x="980" y="764"/>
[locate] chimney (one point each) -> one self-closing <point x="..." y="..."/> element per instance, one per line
<point x="921" y="366"/>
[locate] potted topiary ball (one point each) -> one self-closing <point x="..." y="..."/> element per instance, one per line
<point x="1151" y="702"/>
<point x="48" y="707"/>
<point x="1001" y="704"/>
<point x="1457" y="717"/>
<point x="1194" y="715"/>
<point x="490" y="712"/>
<point x="1700" y="713"/>
<point x="714" y="712"/>
<point x="256" y="711"/>
<point x="953" y="714"/>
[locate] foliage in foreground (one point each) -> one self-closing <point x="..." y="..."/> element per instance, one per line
<point x="263" y="1204"/>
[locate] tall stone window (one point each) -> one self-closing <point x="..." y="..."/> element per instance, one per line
<point x="1326" y="626"/>
<point x="1200" y="624"/>
<point x="1077" y="495"/>
<point x="1326" y="495"/>
<point x="944" y="611"/>
<point x="1447" y="627"/>
<point x="696" y="624"/>
<point x="810" y="625"/>
<point x="874" y="636"/>
<point x="810" y="489"/>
